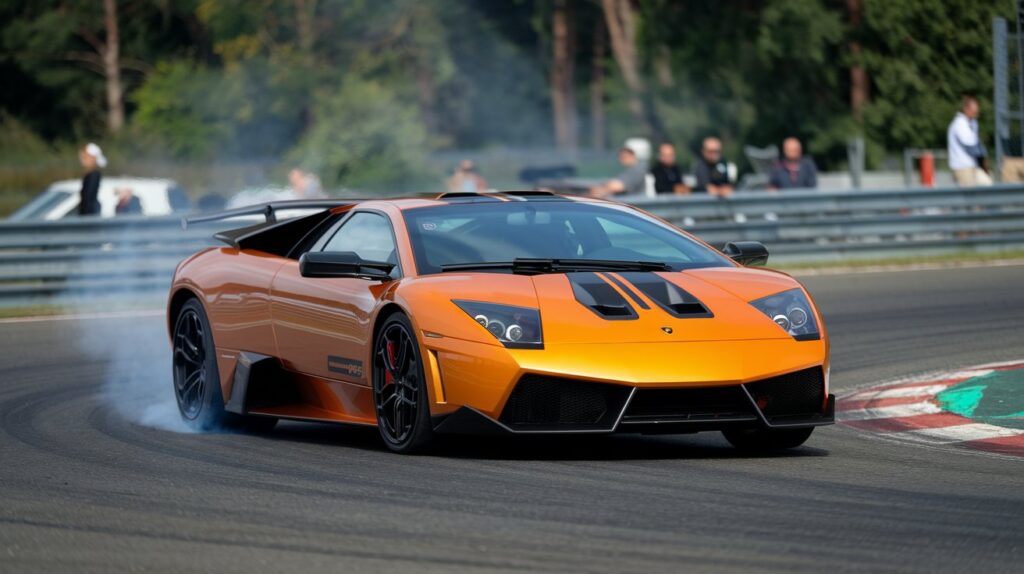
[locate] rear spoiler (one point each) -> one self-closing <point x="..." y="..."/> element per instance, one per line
<point x="271" y="235"/>
<point x="267" y="210"/>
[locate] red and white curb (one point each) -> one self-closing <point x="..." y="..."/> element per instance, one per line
<point x="907" y="410"/>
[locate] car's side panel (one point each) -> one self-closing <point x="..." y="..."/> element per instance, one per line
<point x="326" y="400"/>
<point x="323" y="325"/>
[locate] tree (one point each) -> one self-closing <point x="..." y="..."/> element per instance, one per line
<point x="921" y="57"/>
<point x="563" y="81"/>
<point x="364" y="137"/>
<point x="87" y="55"/>
<point x="621" y="22"/>
<point x="859" y="84"/>
<point x="110" y="52"/>
<point x="597" y="62"/>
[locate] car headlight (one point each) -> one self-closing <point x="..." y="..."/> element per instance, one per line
<point x="514" y="327"/>
<point x="792" y="312"/>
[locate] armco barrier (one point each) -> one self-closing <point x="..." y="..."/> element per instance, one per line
<point x="76" y="259"/>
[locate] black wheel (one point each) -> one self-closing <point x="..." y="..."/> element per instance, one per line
<point x="197" y="379"/>
<point x="399" y="387"/>
<point x="767" y="439"/>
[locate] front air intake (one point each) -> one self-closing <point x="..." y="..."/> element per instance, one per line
<point x="554" y="404"/>
<point x="795" y="395"/>
<point x="688" y="405"/>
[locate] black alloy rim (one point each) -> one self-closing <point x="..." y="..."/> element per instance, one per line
<point x="396" y="383"/>
<point x="189" y="364"/>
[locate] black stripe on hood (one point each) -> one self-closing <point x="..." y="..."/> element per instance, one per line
<point x="600" y="297"/>
<point x="670" y="297"/>
<point x="626" y="289"/>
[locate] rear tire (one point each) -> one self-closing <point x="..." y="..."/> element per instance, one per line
<point x="763" y="440"/>
<point x="399" y="387"/>
<point x="197" y="379"/>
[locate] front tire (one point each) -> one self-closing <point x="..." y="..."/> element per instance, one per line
<point x="399" y="387"/>
<point x="764" y="440"/>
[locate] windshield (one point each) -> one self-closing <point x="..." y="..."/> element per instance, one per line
<point x="490" y="232"/>
<point x="39" y="207"/>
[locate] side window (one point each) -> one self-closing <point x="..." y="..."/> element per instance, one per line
<point x="368" y="235"/>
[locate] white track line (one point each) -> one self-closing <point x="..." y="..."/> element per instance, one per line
<point x="891" y="412"/>
<point x="956" y="433"/>
<point x="969" y="374"/>
<point x="86" y="316"/>
<point x="900" y="392"/>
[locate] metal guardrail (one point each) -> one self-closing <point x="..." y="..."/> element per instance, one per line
<point x="75" y="259"/>
<point x="809" y="225"/>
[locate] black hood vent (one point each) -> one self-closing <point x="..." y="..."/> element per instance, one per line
<point x="600" y="297"/>
<point x="667" y="295"/>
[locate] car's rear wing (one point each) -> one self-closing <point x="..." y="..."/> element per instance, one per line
<point x="271" y="235"/>
<point x="267" y="210"/>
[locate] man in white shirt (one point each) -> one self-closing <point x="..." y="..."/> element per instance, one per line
<point x="966" y="152"/>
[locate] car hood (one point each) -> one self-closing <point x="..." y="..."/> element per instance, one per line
<point x="566" y="319"/>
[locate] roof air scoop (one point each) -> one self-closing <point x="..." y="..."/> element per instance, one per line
<point x="667" y="295"/>
<point x="600" y="297"/>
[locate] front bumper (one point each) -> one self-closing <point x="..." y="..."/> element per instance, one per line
<point x="553" y="405"/>
<point x="481" y="379"/>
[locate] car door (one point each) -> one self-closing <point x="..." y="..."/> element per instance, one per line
<point x="322" y="325"/>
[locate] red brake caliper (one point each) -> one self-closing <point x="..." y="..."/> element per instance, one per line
<point x="388" y="378"/>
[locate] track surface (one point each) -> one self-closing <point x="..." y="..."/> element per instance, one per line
<point x="84" y="489"/>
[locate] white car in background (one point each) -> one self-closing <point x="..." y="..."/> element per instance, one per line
<point x="156" y="196"/>
<point x="258" y="195"/>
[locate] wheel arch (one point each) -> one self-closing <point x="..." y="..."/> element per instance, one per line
<point x="386" y="311"/>
<point x="177" y="300"/>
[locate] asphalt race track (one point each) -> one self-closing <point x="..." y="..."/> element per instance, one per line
<point x="83" y="488"/>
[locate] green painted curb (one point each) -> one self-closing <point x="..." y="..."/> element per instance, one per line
<point x="996" y="398"/>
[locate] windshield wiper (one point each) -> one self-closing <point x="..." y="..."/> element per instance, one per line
<point x="527" y="266"/>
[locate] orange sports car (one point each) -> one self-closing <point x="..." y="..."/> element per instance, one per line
<point x="512" y="312"/>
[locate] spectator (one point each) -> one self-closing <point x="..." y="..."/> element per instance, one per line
<point x="667" y="177"/>
<point x="712" y="172"/>
<point x="632" y="179"/>
<point x="794" y="171"/>
<point x="127" y="202"/>
<point x="964" y="147"/>
<point x="92" y="160"/>
<point x="305" y="185"/>
<point x="465" y="179"/>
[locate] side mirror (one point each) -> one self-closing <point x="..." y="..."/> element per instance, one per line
<point x="342" y="264"/>
<point x="749" y="253"/>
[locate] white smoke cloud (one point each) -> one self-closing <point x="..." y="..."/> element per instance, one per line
<point x="138" y="384"/>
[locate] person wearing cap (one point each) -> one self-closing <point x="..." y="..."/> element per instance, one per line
<point x="631" y="180"/>
<point x="92" y="160"/>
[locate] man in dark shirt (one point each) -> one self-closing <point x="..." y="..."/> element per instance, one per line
<point x="667" y="177"/>
<point x="712" y="172"/>
<point x="127" y="203"/>
<point x="794" y="171"/>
